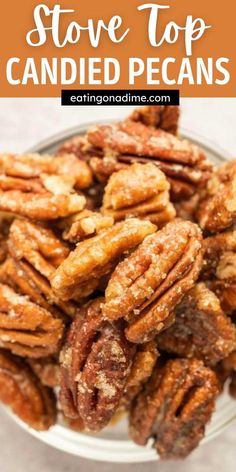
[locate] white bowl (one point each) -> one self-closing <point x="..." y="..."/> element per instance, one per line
<point x="113" y="444"/>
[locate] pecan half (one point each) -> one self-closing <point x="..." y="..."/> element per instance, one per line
<point x="80" y="274"/>
<point x="217" y="208"/>
<point x="36" y="253"/>
<point x="219" y="269"/>
<point x="164" y="117"/>
<point x="182" y="162"/>
<point x="27" y="329"/>
<point x="140" y="190"/>
<point x="85" y="224"/>
<point x="42" y="187"/>
<point x="201" y="328"/>
<point x="146" y="287"/>
<point x="24" y="394"/>
<point x="32" y="166"/>
<point x="95" y="365"/>
<point x="174" y="407"/>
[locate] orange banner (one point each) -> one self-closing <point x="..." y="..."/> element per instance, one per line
<point x="125" y="44"/>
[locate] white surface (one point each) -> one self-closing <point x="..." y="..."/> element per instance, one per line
<point x="22" y="124"/>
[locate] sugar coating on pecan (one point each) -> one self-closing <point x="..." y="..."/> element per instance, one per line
<point x="201" y="328"/>
<point x="105" y="167"/>
<point x="174" y="407"/>
<point x="47" y="370"/>
<point x="95" y="366"/>
<point x="20" y="390"/>
<point x="140" y="190"/>
<point x="146" y="287"/>
<point x="31" y="166"/>
<point x="183" y="163"/>
<point x="164" y="117"/>
<point x="85" y="224"/>
<point x="80" y="274"/>
<point x="217" y="208"/>
<point x="45" y="206"/>
<point x="27" y="329"/>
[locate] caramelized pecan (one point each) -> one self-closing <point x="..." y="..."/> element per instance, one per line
<point x="36" y="253"/>
<point x="27" y="329"/>
<point x="201" y="328"/>
<point x="80" y="274"/>
<point x="24" y="394"/>
<point x="182" y="162"/>
<point x="140" y="190"/>
<point x="95" y="365"/>
<point x="32" y="166"/>
<point x="217" y="208"/>
<point x="146" y="287"/>
<point x="174" y="407"/>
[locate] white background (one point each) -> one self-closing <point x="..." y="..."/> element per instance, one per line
<point x="24" y="122"/>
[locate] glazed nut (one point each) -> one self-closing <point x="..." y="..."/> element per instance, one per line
<point x="95" y="365"/>
<point x="34" y="166"/>
<point x="27" y="329"/>
<point x="183" y="163"/>
<point x="140" y="190"/>
<point x="217" y="208"/>
<point x="42" y="206"/>
<point x="81" y="272"/>
<point x="85" y="224"/>
<point x="24" y="394"/>
<point x="42" y="187"/>
<point x="201" y="329"/>
<point x="164" y="117"/>
<point x="146" y="287"/>
<point x="174" y="407"/>
<point x="36" y="253"/>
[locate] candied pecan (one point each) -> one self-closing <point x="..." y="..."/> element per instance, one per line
<point x="183" y="163"/>
<point x="37" y="252"/>
<point x="47" y="370"/>
<point x="80" y="274"/>
<point x="95" y="365"/>
<point x="201" y="328"/>
<point x="36" y="206"/>
<point x="174" y="407"/>
<point x="147" y="285"/>
<point x="26" y="280"/>
<point x="27" y="329"/>
<point x="21" y="390"/>
<point x="164" y="117"/>
<point x="217" y="208"/>
<point x="85" y="224"/>
<point x="140" y="190"/>
<point x="219" y="269"/>
<point x="30" y="166"/>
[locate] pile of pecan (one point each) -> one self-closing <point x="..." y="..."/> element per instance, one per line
<point x="118" y="283"/>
